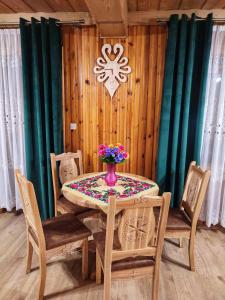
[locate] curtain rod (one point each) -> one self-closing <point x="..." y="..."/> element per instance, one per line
<point x="159" y="21"/>
<point x="216" y="20"/>
<point x="75" y="22"/>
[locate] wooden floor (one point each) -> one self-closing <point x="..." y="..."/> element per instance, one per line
<point x="63" y="276"/>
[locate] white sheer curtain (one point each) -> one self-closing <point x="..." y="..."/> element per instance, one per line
<point x="11" y="117"/>
<point x="213" y="145"/>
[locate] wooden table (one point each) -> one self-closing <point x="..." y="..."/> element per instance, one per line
<point x="90" y="190"/>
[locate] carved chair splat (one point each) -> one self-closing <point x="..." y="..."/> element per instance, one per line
<point x="136" y="249"/>
<point x="70" y="166"/>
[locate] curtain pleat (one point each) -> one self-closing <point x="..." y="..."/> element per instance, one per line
<point x="42" y="84"/>
<point x="186" y="66"/>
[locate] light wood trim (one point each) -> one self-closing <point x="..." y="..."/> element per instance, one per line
<point x="118" y="254"/>
<point x="29" y="256"/>
<point x="67" y="248"/>
<point x="85" y="259"/>
<point x="133" y="273"/>
<point x="43" y="273"/>
<point x="108" y="247"/>
<point x="201" y="196"/>
<point x="98" y="268"/>
<point x="80" y="161"/>
<point x="187" y="209"/>
<point x="188" y="178"/>
<point x="33" y="243"/>
<point x="159" y="239"/>
<point x="55" y="182"/>
<point x="68" y="155"/>
<point x="171" y="234"/>
<point x="143" y="202"/>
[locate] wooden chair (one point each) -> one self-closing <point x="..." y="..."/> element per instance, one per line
<point x="51" y="237"/>
<point x="67" y="171"/>
<point x="182" y="222"/>
<point x="135" y="248"/>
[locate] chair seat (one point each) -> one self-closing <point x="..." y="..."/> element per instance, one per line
<point x="65" y="206"/>
<point x="64" y="229"/>
<point x="176" y="220"/>
<point x="123" y="264"/>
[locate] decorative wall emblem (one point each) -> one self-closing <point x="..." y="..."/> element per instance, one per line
<point x="112" y="72"/>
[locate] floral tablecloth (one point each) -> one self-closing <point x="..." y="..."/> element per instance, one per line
<point x="90" y="190"/>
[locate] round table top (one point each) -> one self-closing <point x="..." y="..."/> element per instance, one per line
<point x="90" y="190"/>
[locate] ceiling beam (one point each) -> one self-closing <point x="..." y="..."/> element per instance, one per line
<point x="110" y="16"/>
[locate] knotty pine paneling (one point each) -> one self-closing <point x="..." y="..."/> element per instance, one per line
<point x="132" y="116"/>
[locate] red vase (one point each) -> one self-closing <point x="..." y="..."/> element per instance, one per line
<point x="110" y="177"/>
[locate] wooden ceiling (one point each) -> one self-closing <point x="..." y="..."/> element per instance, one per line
<point x="30" y="6"/>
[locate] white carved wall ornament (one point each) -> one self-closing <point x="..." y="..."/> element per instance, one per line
<point x="112" y="72"/>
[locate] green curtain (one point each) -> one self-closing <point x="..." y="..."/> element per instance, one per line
<point x="187" y="58"/>
<point x="42" y="88"/>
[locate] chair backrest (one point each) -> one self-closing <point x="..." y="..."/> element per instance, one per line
<point x="140" y="232"/>
<point x="194" y="191"/>
<point x="30" y="208"/>
<point x="68" y="169"/>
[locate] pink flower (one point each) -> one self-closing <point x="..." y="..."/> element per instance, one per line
<point x="101" y="147"/>
<point x="121" y="147"/>
<point x="74" y="185"/>
<point x="123" y="196"/>
<point x="146" y="185"/>
<point x="80" y="188"/>
<point x="111" y="192"/>
<point x="125" y="155"/>
<point x="101" y="152"/>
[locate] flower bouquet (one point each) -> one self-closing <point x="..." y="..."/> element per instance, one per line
<point x="112" y="155"/>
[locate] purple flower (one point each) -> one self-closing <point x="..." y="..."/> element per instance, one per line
<point x="115" y="150"/>
<point x="107" y="152"/>
<point x="119" y="158"/>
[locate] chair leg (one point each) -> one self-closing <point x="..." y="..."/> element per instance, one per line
<point x="155" y="284"/>
<point x="42" y="262"/>
<point x="85" y="259"/>
<point x="29" y="256"/>
<point x="107" y="285"/>
<point x="192" y="253"/>
<point x="181" y="242"/>
<point x="98" y="268"/>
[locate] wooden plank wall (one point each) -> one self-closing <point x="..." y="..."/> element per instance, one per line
<point x="132" y="116"/>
